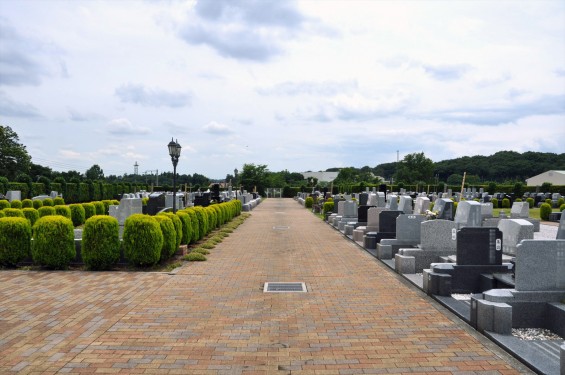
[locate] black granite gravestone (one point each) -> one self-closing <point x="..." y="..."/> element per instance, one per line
<point x="362" y="213"/>
<point x="155" y="203"/>
<point x="363" y="199"/>
<point x="479" y="246"/>
<point x="387" y="221"/>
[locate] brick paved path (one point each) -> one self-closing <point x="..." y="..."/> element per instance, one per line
<point x="213" y="318"/>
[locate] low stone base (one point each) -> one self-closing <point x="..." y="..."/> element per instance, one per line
<point x="182" y="250"/>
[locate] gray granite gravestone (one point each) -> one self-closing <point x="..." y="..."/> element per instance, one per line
<point x="13" y="195"/>
<point x="468" y="214"/>
<point x="444" y="207"/>
<point x="407" y="236"/>
<point x="392" y="202"/>
<point x="405" y="204"/>
<point x="520" y="210"/>
<point x="513" y="232"/>
<point x="422" y="205"/>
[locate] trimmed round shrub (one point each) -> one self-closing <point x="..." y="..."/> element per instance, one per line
<point x="195" y="257"/>
<point x="561" y="208"/>
<point x="530" y="202"/>
<point x="58" y="201"/>
<point x="89" y="210"/>
<point x="37" y="204"/>
<point x="13" y="212"/>
<point x="46" y="211"/>
<point x="53" y="242"/>
<point x="16" y="203"/>
<point x="101" y="242"/>
<point x="518" y="200"/>
<point x="63" y="211"/>
<point x="77" y="214"/>
<point x="115" y="202"/>
<point x="27" y="203"/>
<point x="544" y="211"/>
<point x="195" y="225"/>
<point x="505" y="203"/>
<point x="48" y="202"/>
<point x="2" y="214"/>
<point x="107" y="203"/>
<point x="186" y="227"/>
<point x="212" y="218"/>
<point x="202" y="222"/>
<point x="548" y="201"/>
<point x="4" y="204"/>
<point x="328" y="207"/>
<point x="308" y="202"/>
<point x="142" y="240"/>
<point x="494" y="203"/>
<point x="169" y="236"/>
<point x="178" y="226"/>
<point x="560" y="202"/>
<point x="15" y="240"/>
<point x="31" y="215"/>
<point x="99" y="207"/>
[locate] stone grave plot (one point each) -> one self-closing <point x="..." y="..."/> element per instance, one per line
<point x="408" y="229"/>
<point x="537" y="301"/>
<point x="479" y="255"/>
<point x="386" y="229"/>
<point x="444" y="208"/>
<point x="438" y="238"/>
<point x="405" y="204"/>
<point x="371" y="226"/>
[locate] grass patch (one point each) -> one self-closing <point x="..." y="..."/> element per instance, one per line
<point x="200" y="250"/>
<point x="208" y="245"/>
<point x="172" y="266"/>
<point x="534" y="212"/>
<point x="195" y="257"/>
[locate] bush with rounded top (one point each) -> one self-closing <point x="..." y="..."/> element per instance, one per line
<point x="63" y="211"/>
<point x="561" y="208"/>
<point x="100" y="242"/>
<point x="328" y="207"/>
<point x="308" y="202"/>
<point x="89" y="210"/>
<point x="202" y="221"/>
<point x="31" y="215"/>
<point x="58" y="201"/>
<point x="560" y="202"/>
<point x="518" y="200"/>
<point x="27" y="203"/>
<point x="530" y="202"/>
<point x="77" y="214"/>
<point x="505" y="203"/>
<point x="142" y="240"/>
<point x="46" y="211"/>
<point x="2" y="214"/>
<point x="212" y="218"/>
<point x="13" y="212"/>
<point x="37" y="204"/>
<point x="169" y="236"/>
<point x="115" y="202"/>
<point x="48" y="202"/>
<point x="107" y="203"/>
<point x="186" y="227"/>
<point x="178" y="226"/>
<point x="4" y="204"/>
<point x="99" y="207"/>
<point x="53" y="242"/>
<point x="544" y="211"/>
<point x="16" y="203"/>
<point x="494" y="202"/>
<point x="15" y="240"/>
<point x="195" y="225"/>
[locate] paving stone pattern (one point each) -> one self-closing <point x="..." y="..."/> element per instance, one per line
<point x="212" y="317"/>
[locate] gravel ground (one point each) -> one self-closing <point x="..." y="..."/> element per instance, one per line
<point x="546" y="232"/>
<point x="529" y="334"/>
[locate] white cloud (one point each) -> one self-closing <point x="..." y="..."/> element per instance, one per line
<point x="217" y="128"/>
<point x="122" y="126"/>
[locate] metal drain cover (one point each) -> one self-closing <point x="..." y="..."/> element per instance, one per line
<point x="285" y="288"/>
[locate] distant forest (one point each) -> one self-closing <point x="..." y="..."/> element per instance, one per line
<point x="503" y="166"/>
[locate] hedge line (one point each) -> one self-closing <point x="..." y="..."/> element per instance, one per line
<point x="146" y="240"/>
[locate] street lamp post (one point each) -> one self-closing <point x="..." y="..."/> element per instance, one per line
<point x="174" y="152"/>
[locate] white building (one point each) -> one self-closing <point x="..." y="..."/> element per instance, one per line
<point x="321" y="176"/>
<point x="554" y="177"/>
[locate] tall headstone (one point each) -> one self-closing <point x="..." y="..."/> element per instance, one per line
<point x="520" y="210"/>
<point x="405" y="204"/>
<point x="444" y="207"/>
<point x="392" y="202"/>
<point x="561" y="229"/>
<point x="468" y="214"/>
<point x="540" y="265"/>
<point x="422" y="205"/>
<point x="514" y="231"/>
<point x="13" y="195"/>
<point x="363" y="199"/>
<point x="479" y="247"/>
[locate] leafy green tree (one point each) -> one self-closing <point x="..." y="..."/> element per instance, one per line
<point x="14" y="158"/>
<point x="415" y="167"/>
<point x="254" y="176"/>
<point x="94" y="173"/>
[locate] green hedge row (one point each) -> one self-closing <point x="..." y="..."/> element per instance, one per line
<point x="73" y="192"/>
<point x="146" y="239"/>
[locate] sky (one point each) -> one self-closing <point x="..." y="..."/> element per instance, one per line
<point x="297" y="86"/>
